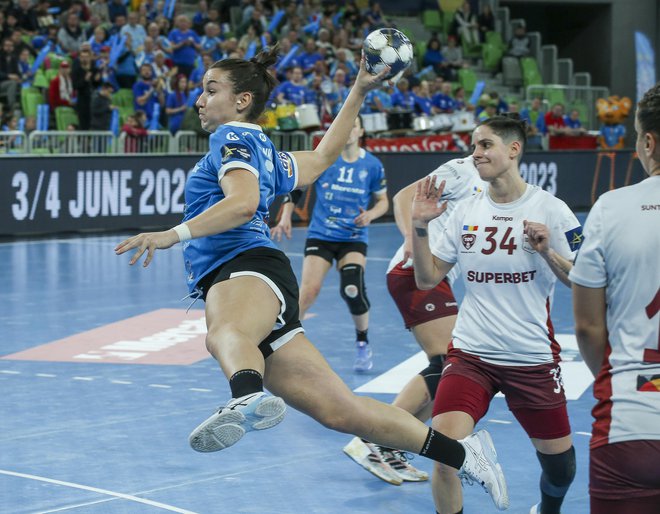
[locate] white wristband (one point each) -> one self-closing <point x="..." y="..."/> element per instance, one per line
<point x="183" y="232"/>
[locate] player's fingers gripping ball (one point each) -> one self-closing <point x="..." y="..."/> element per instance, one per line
<point x="387" y="47"/>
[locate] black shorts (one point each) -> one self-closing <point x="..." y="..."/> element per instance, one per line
<point x="274" y="268"/>
<point x="333" y="250"/>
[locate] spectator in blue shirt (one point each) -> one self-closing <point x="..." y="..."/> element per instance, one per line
<point x="147" y="92"/>
<point x="423" y="104"/>
<point x="310" y="56"/>
<point x="293" y="90"/>
<point x="138" y="32"/>
<point x="211" y="42"/>
<point x="573" y="123"/>
<point x="443" y="101"/>
<point x="185" y="45"/>
<point x="177" y="103"/>
<point x="402" y="98"/>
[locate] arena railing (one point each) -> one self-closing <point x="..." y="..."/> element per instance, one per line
<point x="188" y="141"/>
<point x="49" y="142"/>
<point x="13" y="142"/>
<point x="582" y="98"/>
<point x="65" y="142"/>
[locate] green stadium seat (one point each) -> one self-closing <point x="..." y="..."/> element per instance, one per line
<point x="468" y="80"/>
<point x="65" y="116"/>
<point x="491" y="55"/>
<point x="555" y="95"/>
<point x="420" y="50"/>
<point x="30" y="99"/>
<point x="530" y="72"/>
<point x="432" y="20"/>
<point x="495" y="38"/>
<point x="40" y="79"/>
<point x="123" y="98"/>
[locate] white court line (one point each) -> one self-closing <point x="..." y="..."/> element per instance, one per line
<point x="584" y="433"/>
<point x="97" y="490"/>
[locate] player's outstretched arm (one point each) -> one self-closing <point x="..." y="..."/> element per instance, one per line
<point x="312" y="164"/>
<point x="241" y="200"/>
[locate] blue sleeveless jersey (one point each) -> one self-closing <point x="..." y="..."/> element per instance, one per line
<point x="340" y="192"/>
<point x="234" y="145"/>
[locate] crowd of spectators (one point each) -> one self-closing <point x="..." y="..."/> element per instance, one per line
<point x="90" y="51"/>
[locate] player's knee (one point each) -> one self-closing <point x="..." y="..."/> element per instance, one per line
<point x="353" y="289"/>
<point x="432" y="373"/>
<point x="308" y="293"/>
<point x="340" y="420"/>
<point x="558" y="472"/>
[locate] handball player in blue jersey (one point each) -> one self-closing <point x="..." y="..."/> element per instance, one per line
<point x="250" y="290"/>
<point x="338" y="232"/>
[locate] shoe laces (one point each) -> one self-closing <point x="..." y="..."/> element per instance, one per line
<point x="403" y="456"/>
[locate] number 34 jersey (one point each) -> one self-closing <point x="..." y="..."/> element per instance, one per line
<point x="505" y="315"/>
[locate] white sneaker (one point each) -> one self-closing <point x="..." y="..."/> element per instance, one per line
<point x="363" y="359"/>
<point x="255" y="411"/>
<point x="536" y="509"/>
<point x="481" y="466"/>
<point x="398" y="461"/>
<point x="364" y="454"/>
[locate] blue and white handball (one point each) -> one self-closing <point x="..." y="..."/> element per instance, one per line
<point x="387" y="47"/>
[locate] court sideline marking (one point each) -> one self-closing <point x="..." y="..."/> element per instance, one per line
<point x="123" y="496"/>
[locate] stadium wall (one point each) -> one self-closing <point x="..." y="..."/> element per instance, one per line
<point x="78" y="194"/>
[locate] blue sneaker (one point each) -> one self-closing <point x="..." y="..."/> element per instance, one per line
<point x="363" y="360"/>
<point x="255" y="411"/>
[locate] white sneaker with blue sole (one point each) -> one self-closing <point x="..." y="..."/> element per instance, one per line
<point x="255" y="411"/>
<point x="481" y="466"/>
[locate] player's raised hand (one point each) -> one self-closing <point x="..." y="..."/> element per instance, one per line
<point x="147" y="242"/>
<point x="426" y="204"/>
<point x="365" y="81"/>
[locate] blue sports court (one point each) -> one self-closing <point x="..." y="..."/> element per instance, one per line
<point x="88" y="427"/>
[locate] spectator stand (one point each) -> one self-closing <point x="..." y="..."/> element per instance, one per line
<point x="582" y="98"/>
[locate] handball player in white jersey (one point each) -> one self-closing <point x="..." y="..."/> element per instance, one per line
<point x="511" y="243"/>
<point x="616" y="301"/>
<point x="250" y="290"/>
<point x="429" y="314"/>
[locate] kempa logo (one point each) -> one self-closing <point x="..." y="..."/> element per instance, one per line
<point x="502" y="218"/>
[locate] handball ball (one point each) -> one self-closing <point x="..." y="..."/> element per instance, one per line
<point x="387" y="47"/>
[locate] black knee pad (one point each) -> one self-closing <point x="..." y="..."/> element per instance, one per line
<point x="353" y="290"/>
<point x="558" y="472"/>
<point x="432" y="373"/>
